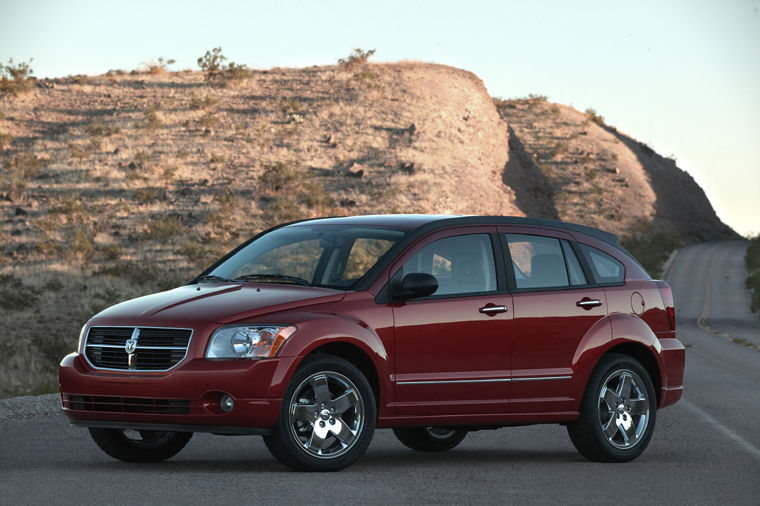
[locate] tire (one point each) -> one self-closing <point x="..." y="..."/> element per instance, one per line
<point x="617" y="413"/>
<point x="327" y="418"/>
<point x="429" y="439"/>
<point x="140" y="446"/>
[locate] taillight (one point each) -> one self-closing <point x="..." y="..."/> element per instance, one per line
<point x="667" y="300"/>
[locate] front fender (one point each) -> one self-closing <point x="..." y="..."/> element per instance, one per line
<point x="317" y="330"/>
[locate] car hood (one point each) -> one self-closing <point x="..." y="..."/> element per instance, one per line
<point x="214" y="302"/>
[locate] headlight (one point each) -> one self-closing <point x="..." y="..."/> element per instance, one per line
<point x="248" y="341"/>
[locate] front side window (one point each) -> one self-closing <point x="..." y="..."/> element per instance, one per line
<point x="461" y="264"/>
<point x="544" y="262"/>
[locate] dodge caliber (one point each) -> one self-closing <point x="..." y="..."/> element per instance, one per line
<point x="313" y="334"/>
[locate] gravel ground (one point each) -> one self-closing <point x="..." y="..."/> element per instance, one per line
<point x="28" y="406"/>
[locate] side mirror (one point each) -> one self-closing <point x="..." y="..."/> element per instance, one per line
<point x="414" y="286"/>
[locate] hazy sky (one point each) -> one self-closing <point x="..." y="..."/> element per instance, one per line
<point x="683" y="76"/>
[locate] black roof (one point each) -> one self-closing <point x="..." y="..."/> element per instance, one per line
<point x="425" y="222"/>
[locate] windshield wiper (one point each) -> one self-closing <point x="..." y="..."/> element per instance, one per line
<point x="211" y="277"/>
<point x="273" y="278"/>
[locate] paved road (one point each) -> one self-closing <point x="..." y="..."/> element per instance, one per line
<point x="706" y="448"/>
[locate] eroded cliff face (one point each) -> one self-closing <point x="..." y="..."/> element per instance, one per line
<point x="116" y="186"/>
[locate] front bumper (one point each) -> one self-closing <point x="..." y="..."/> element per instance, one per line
<point x="184" y="398"/>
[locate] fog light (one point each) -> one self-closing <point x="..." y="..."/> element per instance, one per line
<point x="226" y="403"/>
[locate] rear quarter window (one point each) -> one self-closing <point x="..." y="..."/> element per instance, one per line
<point x="605" y="268"/>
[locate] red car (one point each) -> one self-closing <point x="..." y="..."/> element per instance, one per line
<point x="312" y="334"/>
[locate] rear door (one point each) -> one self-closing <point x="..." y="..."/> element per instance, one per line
<point x="452" y="348"/>
<point x="555" y="306"/>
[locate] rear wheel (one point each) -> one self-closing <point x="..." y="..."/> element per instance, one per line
<point x="429" y="439"/>
<point x="617" y="412"/>
<point x="327" y="418"/>
<point x="140" y="445"/>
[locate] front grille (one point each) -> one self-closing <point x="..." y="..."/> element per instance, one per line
<point x="157" y="349"/>
<point x="127" y="404"/>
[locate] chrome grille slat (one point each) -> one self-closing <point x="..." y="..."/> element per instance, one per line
<point x="158" y="348"/>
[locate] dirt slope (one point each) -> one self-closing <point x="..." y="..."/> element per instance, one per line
<point x="114" y="186"/>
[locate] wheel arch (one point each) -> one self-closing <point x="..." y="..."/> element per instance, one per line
<point x="642" y="355"/>
<point x="357" y="357"/>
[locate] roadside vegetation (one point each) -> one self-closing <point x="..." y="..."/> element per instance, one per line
<point x="651" y="248"/>
<point x="752" y="260"/>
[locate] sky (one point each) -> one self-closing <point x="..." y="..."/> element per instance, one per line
<point x="682" y="76"/>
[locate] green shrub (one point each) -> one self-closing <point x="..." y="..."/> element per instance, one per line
<point x="98" y="129"/>
<point x="148" y="195"/>
<point x="21" y="169"/>
<point x="212" y="63"/>
<point x="651" y="248"/>
<point x="752" y="261"/>
<point x="159" y="66"/>
<point x="15" y="295"/>
<point x="595" y="117"/>
<point x="164" y="228"/>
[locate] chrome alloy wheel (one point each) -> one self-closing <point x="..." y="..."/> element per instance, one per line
<point x="441" y="433"/>
<point x="623" y="409"/>
<point x="326" y="414"/>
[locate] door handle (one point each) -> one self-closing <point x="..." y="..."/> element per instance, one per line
<point x="491" y="310"/>
<point x="587" y="303"/>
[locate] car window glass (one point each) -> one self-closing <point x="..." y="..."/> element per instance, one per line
<point x="573" y="265"/>
<point x="364" y="253"/>
<point x="461" y="264"/>
<point x="297" y="259"/>
<point x="605" y="268"/>
<point x="538" y="261"/>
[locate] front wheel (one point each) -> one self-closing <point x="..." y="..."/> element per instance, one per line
<point x="140" y="445"/>
<point x="429" y="439"/>
<point x="327" y="417"/>
<point x="617" y="412"/>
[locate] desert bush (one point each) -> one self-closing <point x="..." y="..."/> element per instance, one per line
<point x="169" y="172"/>
<point x="81" y="244"/>
<point x="153" y="120"/>
<point x="202" y="102"/>
<point x="15" y="295"/>
<point x="290" y="105"/>
<point x="80" y="151"/>
<point x="98" y="129"/>
<point x="195" y="252"/>
<point x="356" y="59"/>
<point x="165" y="228"/>
<point x="208" y="120"/>
<point x="5" y="140"/>
<point x="21" y="169"/>
<point x="16" y="77"/>
<point x="651" y="248"/>
<point x="752" y="261"/>
<point x="595" y="117"/>
<point x="149" y="194"/>
<point x="646" y="148"/>
<point x="159" y="66"/>
<point x="212" y="63"/>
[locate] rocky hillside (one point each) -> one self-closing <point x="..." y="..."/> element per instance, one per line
<point x="117" y="185"/>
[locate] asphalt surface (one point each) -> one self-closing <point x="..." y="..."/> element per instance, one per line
<point x="705" y="450"/>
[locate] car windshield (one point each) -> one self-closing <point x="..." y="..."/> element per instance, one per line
<point x="332" y="256"/>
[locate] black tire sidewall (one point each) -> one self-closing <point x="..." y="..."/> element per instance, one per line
<point x="418" y="438"/>
<point x="586" y="433"/>
<point x="117" y="445"/>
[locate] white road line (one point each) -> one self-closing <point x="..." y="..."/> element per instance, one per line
<point x="736" y="438"/>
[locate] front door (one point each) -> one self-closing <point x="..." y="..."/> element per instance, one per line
<point x="452" y="348"/>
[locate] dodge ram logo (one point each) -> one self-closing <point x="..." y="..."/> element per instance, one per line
<point x="130" y="346"/>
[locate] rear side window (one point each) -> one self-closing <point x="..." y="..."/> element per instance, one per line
<point x="606" y="269"/>
<point x="544" y="262"/>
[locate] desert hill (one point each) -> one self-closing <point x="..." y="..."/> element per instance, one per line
<point x="117" y="185"/>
